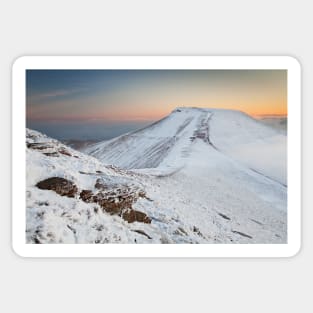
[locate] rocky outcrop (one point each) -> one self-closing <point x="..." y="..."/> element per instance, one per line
<point x="86" y="196"/>
<point x="117" y="200"/>
<point x="60" y="185"/>
<point x="115" y="194"/>
<point x="51" y="149"/>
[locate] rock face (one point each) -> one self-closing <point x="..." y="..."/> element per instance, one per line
<point x="60" y="185"/>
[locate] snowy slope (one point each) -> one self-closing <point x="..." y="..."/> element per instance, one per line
<point x="187" y="180"/>
<point x="247" y="140"/>
<point x="147" y="148"/>
<point x="55" y="218"/>
<point x="165" y="143"/>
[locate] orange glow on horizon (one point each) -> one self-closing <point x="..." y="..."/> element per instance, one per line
<point x="152" y="94"/>
<point x="147" y="114"/>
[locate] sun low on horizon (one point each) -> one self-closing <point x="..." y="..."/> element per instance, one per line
<point x="135" y="95"/>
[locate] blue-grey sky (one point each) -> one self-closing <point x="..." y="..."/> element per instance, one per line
<point x="140" y="96"/>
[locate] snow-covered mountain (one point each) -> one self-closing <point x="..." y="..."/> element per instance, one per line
<point x="170" y="142"/>
<point x="196" y="176"/>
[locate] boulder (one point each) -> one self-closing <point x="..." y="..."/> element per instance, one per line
<point x="60" y="185"/>
<point x="101" y="185"/>
<point x="132" y="216"/>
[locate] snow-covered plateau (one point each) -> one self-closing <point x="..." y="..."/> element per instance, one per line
<point x="196" y="176"/>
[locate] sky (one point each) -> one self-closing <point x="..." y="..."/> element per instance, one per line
<point x="63" y="100"/>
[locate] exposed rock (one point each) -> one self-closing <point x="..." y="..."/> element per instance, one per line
<point x="142" y="194"/>
<point x="141" y="232"/>
<point x="100" y="185"/>
<point x="110" y="205"/>
<point x="197" y="231"/>
<point x="117" y="201"/>
<point x="241" y="234"/>
<point x="36" y="240"/>
<point x="53" y="154"/>
<point x="38" y="146"/>
<point x="131" y="216"/>
<point x="48" y="149"/>
<point x="60" y="185"/>
<point x="86" y="196"/>
<point x="72" y="229"/>
<point x="64" y="151"/>
<point x="45" y="203"/>
<point x="257" y="222"/>
<point x="224" y="216"/>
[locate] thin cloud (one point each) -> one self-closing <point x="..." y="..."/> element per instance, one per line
<point x="56" y="94"/>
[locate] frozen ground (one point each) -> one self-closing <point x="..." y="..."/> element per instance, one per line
<point x="198" y="175"/>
